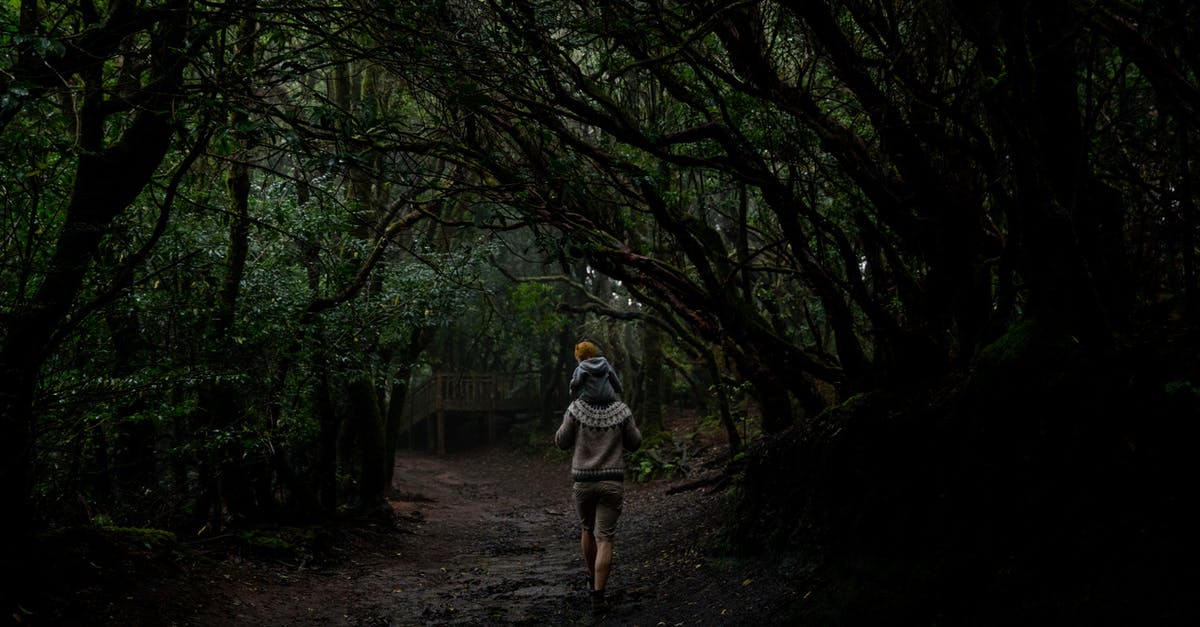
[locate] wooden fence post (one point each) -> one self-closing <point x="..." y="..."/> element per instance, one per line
<point x="440" y="403"/>
<point x="491" y="415"/>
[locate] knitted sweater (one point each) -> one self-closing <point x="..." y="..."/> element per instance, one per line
<point x="600" y="434"/>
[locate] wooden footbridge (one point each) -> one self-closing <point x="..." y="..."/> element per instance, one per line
<point x="451" y="398"/>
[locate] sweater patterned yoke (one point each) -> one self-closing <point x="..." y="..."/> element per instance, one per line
<point x="600" y="435"/>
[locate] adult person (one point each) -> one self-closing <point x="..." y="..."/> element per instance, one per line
<point x="600" y="428"/>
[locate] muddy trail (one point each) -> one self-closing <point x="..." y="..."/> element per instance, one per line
<point x="486" y="537"/>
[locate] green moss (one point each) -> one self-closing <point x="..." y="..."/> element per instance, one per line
<point x="1028" y="361"/>
<point x="283" y="542"/>
<point x="852" y="405"/>
<point x="141" y="536"/>
<point x="1012" y="345"/>
<point x="1028" y="343"/>
<point x="1181" y="388"/>
<point x="656" y="439"/>
<point x="261" y="540"/>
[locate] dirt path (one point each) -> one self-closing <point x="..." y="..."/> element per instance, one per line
<point x="494" y="544"/>
<point x="485" y="538"/>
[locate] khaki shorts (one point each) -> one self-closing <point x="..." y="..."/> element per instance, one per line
<point x="599" y="505"/>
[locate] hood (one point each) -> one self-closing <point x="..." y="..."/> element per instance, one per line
<point x="595" y="365"/>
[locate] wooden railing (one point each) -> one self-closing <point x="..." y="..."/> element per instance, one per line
<point x="469" y="393"/>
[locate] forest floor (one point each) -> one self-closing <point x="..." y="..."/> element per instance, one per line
<point x="481" y="537"/>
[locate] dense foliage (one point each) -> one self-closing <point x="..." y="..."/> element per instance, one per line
<point x="233" y="232"/>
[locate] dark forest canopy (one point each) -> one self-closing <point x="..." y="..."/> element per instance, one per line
<point x="233" y="232"/>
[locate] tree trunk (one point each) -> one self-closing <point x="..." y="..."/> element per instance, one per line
<point x="1041" y="110"/>
<point x="19" y="364"/>
<point x="220" y="403"/>
<point x="366" y="421"/>
<point x="723" y="409"/>
<point x="651" y="418"/>
<point x="325" y="466"/>
<point x="395" y="420"/>
<point x="395" y="410"/>
<point x="134" y="455"/>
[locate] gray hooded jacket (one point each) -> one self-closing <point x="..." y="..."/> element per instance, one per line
<point x="596" y="382"/>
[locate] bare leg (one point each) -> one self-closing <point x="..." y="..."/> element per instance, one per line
<point x="587" y="546"/>
<point x="604" y="552"/>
